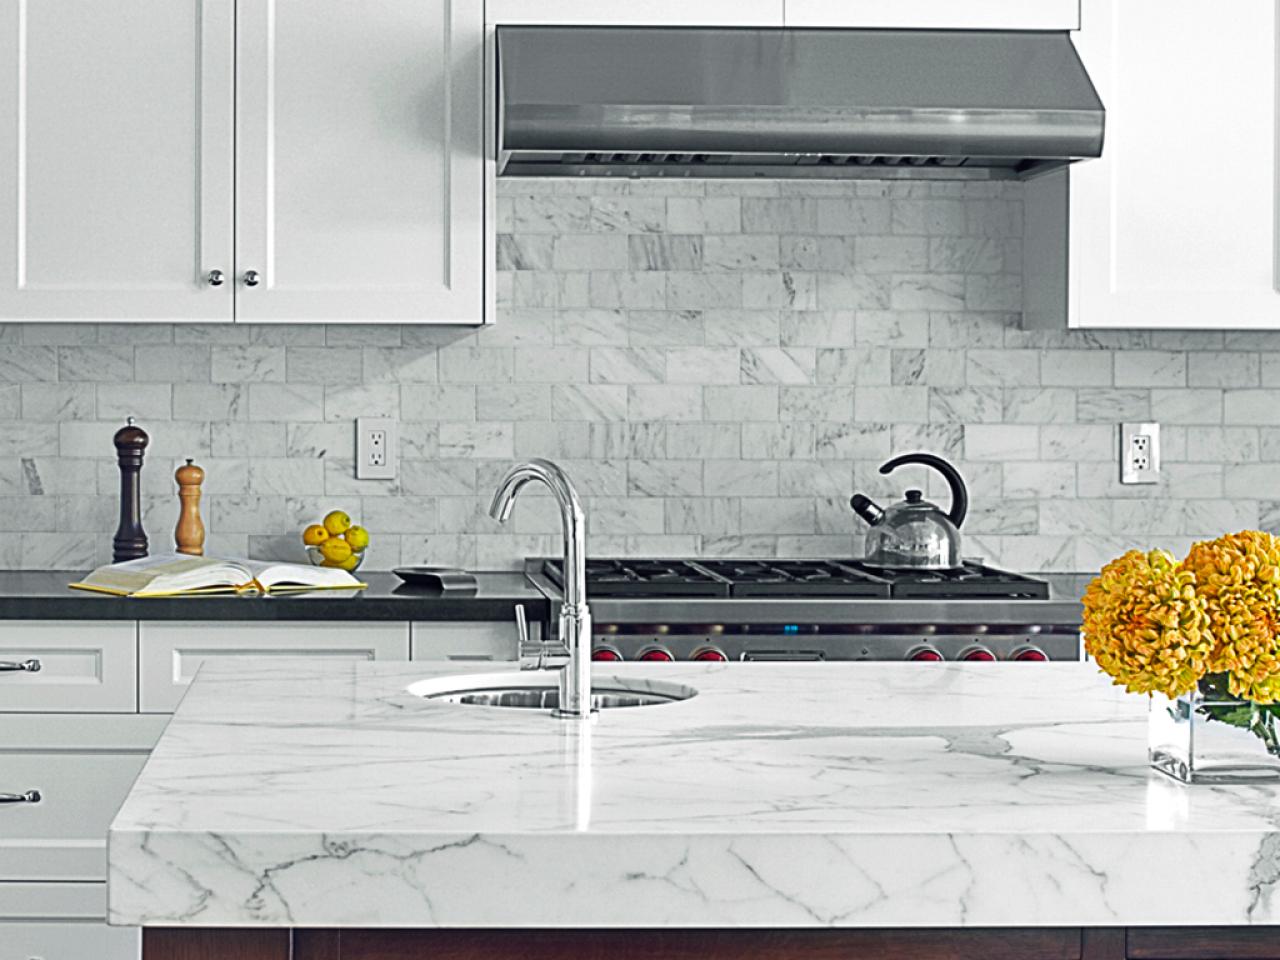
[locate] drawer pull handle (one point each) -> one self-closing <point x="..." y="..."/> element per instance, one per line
<point x="31" y="796"/>
<point x="25" y="666"/>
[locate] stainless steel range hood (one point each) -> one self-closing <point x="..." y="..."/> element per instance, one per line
<point x="695" y="102"/>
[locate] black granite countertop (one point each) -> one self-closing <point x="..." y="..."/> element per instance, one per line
<point x="44" y="595"/>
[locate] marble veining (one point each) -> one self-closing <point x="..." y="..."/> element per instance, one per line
<point x="303" y="793"/>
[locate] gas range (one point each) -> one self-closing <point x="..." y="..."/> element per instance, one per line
<point x="820" y="609"/>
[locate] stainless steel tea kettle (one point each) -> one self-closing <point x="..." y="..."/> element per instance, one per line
<point x="915" y="534"/>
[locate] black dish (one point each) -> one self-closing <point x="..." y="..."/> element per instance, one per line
<point x="440" y="578"/>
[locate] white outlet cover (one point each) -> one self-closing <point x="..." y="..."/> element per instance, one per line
<point x="366" y="428"/>
<point x="1131" y="470"/>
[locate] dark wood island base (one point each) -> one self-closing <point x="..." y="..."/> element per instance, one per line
<point x="1034" y="943"/>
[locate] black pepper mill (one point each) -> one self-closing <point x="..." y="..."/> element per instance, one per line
<point x="130" y="541"/>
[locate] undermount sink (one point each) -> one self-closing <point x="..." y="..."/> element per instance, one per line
<point x="539" y="690"/>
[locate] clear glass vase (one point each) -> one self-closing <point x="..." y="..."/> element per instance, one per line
<point x="1210" y="736"/>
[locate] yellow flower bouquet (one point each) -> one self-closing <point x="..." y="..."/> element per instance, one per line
<point x="1202" y="637"/>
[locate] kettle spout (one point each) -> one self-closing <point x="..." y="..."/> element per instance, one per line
<point x="866" y="508"/>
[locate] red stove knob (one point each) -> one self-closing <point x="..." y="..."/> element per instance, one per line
<point x="1029" y="653"/>
<point x="657" y="654"/>
<point x="606" y="653"/>
<point x="924" y="653"/>
<point x="710" y="653"/>
<point x="977" y="653"/>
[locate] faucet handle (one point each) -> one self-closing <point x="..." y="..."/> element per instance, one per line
<point x="522" y="626"/>
<point x="536" y="654"/>
<point x="529" y="654"/>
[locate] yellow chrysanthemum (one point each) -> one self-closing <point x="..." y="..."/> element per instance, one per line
<point x="1146" y="626"/>
<point x="1238" y="575"/>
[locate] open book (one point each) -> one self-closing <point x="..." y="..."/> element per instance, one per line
<point x="175" y="574"/>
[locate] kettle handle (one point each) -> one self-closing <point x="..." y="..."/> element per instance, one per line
<point x="959" y="495"/>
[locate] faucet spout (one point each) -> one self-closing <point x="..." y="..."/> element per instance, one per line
<point x="575" y="616"/>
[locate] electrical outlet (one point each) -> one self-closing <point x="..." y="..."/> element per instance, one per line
<point x="375" y="448"/>
<point x="1139" y="453"/>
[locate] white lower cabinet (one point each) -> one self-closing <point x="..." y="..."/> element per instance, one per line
<point x="61" y="921"/>
<point x="68" y="667"/>
<point x="60" y="834"/>
<point x="935" y="14"/>
<point x="66" y="777"/>
<point x="467" y="640"/>
<point x="672" y="13"/>
<point x="52" y="902"/>
<point x="69" y="940"/>
<point x="72" y="741"/>
<point x="171" y="653"/>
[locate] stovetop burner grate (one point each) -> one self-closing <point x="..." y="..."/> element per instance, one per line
<point x="792" y="578"/>
<point x="643" y="578"/>
<point x="970" y="581"/>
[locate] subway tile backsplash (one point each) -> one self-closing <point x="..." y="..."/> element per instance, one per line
<point x="718" y="364"/>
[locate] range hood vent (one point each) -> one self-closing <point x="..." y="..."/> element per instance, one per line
<point x="695" y="102"/>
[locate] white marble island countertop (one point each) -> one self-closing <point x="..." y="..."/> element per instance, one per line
<point x="306" y="793"/>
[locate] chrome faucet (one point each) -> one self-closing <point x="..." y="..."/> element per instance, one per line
<point x="575" y="617"/>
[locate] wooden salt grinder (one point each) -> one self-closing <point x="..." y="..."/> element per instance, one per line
<point x="190" y="530"/>
<point x="130" y="541"/>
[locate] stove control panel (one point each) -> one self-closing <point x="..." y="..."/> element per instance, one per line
<point x="919" y="644"/>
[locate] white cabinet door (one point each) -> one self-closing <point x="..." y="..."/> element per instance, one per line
<point x="81" y="766"/>
<point x="169" y="654"/>
<point x="936" y="14"/>
<point x="1175" y="226"/>
<point x="468" y="640"/>
<point x="360" y="175"/>
<point x="52" y="901"/>
<point x="68" y="941"/>
<point x="56" y="810"/>
<point x="115" y="159"/>
<point x="68" y="667"/>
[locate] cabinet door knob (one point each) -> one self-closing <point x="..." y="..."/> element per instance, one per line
<point x="30" y="796"/>
<point x="215" y="278"/>
<point x="23" y="666"/>
<point x="251" y="278"/>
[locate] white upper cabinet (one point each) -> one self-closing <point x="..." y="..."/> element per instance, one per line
<point x="336" y="148"/>
<point x="1175" y="226"/>
<point x="115" y="159"/>
<point x="360" y="172"/>
<point x="935" y="14"/>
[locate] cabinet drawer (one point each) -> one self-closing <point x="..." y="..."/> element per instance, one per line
<point x="171" y="653"/>
<point x="83" y="667"/>
<point x="52" y="902"/>
<point x="68" y="941"/>
<point x="63" y="835"/>
<point x="468" y="640"/>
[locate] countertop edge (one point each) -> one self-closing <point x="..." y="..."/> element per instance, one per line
<point x="819" y="880"/>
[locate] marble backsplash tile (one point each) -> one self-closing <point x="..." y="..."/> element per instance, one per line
<point x="719" y="364"/>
